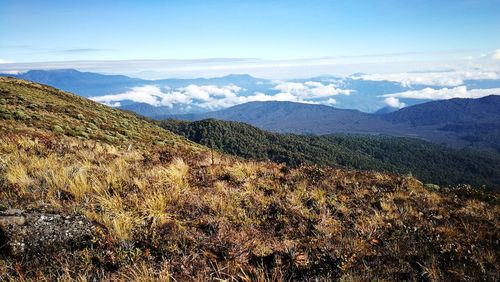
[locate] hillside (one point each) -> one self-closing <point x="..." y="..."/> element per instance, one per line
<point x="85" y="84"/>
<point x="427" y="162"/>
<point x="452" y="111"/>
<point x="460" y="123"/>
<point x="293" y="117"/>
<point x="93" y="193"/>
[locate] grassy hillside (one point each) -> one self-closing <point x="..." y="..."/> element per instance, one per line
<point x="426" y="161"/>
<point x="147" y="205"/>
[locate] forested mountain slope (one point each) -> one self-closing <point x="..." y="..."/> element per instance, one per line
<point x="426" y="161"/>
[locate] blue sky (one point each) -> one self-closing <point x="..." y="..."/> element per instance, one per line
<point x="53" y="31"/>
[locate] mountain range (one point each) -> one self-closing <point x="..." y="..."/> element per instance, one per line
<point x="455" y="122"/>
<point x="351" y="92"/>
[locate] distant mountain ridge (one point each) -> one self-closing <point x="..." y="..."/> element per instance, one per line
<point x="455" y="122"/>
<point x="85" y="84"/>
<point x="364" y="95"/>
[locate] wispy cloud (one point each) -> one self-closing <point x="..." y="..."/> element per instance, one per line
<point x="439" y="78"/>
<point x="380" y="64"/>
<point x="406" y="68"/>
<point x="393" y="100"/>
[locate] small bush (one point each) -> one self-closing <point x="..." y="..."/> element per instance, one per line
<point x="110" y="139"/>
<point x="80" y="117"/>
<point x="83" y="134"/>
<point x="21" y="115"/>
<point x="57" y="129"/>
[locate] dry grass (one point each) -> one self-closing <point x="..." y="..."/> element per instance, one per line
<point x="165" y="213"/>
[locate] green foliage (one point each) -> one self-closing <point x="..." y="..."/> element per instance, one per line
<point x="426" y="161"/>
<point x="21" y="115"/>
<point x="42" y="107"/>
<point x="57" y="129"/>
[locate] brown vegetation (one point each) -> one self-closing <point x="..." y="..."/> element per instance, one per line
<point x="163" y="211"/>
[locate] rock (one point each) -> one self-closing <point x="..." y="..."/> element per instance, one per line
<point x="31" y="233"/>
<point x="11" y="217"/>
<point x="12" y="220"/>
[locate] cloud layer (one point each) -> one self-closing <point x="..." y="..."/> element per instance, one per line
<point x="443" y="78"/>
<point x="393" y="100"/>
<point x="212" y="97"/>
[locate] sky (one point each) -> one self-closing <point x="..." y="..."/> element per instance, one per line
<point x="272" y="38"/>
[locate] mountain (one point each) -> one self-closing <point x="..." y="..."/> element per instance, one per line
<point x="386" y="110"/>
<point x="452" y="111"/>
<point x="89" y="84"/>
<point x="293" y="117"/>
<point x="428" y="162"/>
<point x="457" y="123"/>
<point x="147" y="110"/>
<point x="95" y="193"/>
<point x="86" y="84"/>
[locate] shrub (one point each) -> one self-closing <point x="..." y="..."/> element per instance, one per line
<point x="83" y="134"/>
<point x="57" y="129"/>
<point x="80" y="117"/>
<point x="21" y="115"/>
<point x="110" y="139"/>
<point x="432" y="186"/>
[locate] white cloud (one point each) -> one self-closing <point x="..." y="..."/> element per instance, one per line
<point x="394" y="102"/>
<point x="5" y="62"/>
<point x="330" y="102"/>
<point x="444" y="93"/>
<point x="311" y="89"/>
<point x="449" y="78"/>
<point x="496" y="54"/>
<point x="213" y="97"/>
<point x="150" y="94"/>
<point x="204" y="95"/>
<point x="11" y="72"/>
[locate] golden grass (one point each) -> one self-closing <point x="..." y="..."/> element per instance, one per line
<point x="181" y="217"/>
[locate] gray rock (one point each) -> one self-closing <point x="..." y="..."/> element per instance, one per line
<point x="25" y="233"/>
